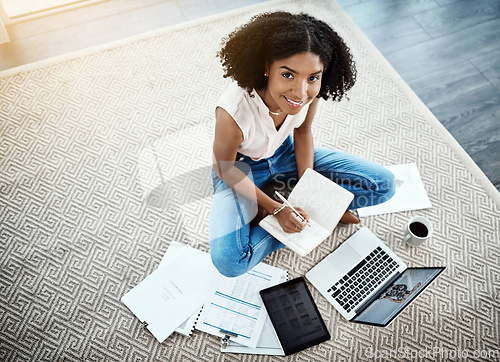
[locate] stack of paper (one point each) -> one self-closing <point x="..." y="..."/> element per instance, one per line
<point x="172" y="293"/>
<point x="268" y="343"/>
<point x="234" y="305"/>
<point x="171" y="297"/>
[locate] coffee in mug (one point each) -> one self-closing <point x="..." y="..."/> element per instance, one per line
<point x="417" y="231"/>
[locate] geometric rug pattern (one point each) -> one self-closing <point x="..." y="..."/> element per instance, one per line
<point x="105" y="160"/>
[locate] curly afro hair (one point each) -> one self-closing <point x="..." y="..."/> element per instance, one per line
<point x="279" y="35"/>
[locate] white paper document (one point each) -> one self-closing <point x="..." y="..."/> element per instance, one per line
<point x="410" y="193"/>
<point x="234" y="305"/>
<point x="173" y="292"/>
<point x="268" y="343"/>
<point x="186" y="328"/>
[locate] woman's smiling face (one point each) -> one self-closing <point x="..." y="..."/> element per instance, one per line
<point x="293" y="82"/>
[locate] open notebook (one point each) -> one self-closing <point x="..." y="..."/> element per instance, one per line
<point x="323" y="200"/>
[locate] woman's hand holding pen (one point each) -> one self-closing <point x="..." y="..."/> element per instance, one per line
<point x="290" y="225"/>
<point x="290" y="222"/>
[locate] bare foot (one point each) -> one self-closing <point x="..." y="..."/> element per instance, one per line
<point x="349" y="218"/>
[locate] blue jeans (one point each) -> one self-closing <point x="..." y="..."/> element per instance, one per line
<point x="236" y="247"/>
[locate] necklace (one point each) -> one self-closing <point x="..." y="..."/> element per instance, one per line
<point x="263" y="96"/>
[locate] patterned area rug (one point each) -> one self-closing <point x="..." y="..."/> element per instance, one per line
<point x="104" y="160"/>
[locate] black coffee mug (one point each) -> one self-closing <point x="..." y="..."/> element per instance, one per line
<point x="417" y="230"/>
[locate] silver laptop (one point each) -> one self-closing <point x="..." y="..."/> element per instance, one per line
<point x="366" y="282"/>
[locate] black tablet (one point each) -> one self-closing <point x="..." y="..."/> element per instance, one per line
<point x="294" y="315"/>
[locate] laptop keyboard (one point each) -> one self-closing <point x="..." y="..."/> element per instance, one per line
<point x="363" y="279"/>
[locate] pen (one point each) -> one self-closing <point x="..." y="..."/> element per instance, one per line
<point x="285" y="201"/>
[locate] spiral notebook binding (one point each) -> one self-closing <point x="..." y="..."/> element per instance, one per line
<point x="196" y="320"/>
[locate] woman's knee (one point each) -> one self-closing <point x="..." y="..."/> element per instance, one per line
<point x="226" y="257"/>
<point x="228" y="266"/>
<point x="386" y="184"/>
<point x="380" y="187"/>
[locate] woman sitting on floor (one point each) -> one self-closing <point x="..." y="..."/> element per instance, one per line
<point x="282" y="64"/>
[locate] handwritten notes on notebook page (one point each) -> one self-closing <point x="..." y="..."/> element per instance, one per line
<point x="304" y="241"/>
<point x="323" y="200"/>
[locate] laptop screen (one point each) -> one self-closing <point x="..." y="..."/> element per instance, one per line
<point x="397" y="296"/>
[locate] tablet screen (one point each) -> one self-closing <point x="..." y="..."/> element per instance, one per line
<point x="294" y="315"/>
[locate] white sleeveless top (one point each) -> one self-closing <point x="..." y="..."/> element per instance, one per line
<point x="260" y="137"/>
